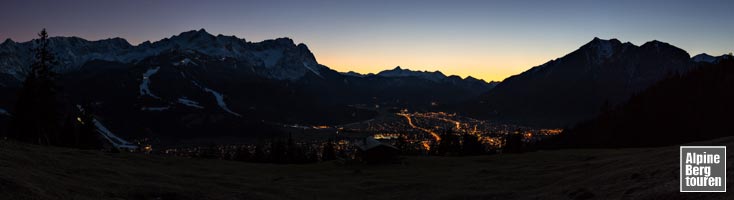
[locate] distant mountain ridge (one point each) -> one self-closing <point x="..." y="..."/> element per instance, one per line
<point x="436" y="76"/>
<point x="399" y="72"/>
<point x="706" y="58"/>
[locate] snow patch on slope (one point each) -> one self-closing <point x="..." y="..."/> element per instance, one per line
<point x="184" y="62"/>
<point x="269" y="57"/>
<point x="196" y="84"/>
<point x="220" y="101"/>
<point x="112" y="138"/>
<point x="189" y="102"/>
<point x="218" y="96"/>
<point x="4" y="112"/>
<point x="312" y="70"/>
<point x="155" y="108"/>
<point x="145" y="85"/>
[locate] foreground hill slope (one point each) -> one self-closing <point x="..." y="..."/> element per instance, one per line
<point x="35" y="172"/>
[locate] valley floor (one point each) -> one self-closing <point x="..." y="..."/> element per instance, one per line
<point x="35" y="172"/>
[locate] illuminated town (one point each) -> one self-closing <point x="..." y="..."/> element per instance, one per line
<point x="414" y="133"/>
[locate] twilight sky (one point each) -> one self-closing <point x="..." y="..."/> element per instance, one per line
<point x="486" y="39"/>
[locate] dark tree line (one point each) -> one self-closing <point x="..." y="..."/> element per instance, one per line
<point x="514" y="144"/>
<point x="280" y="151"/>
<point x="41" y="115"/>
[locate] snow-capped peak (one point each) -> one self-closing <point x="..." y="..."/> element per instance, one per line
<point x="603" y="49"/>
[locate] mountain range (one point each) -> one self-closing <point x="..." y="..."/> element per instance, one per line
<point x="577" y="86"/>
<point x="197" y="84"/>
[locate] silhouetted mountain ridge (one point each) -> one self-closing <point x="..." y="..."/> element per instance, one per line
<point x="566" y="90"/>
<point x="678" y="109"/>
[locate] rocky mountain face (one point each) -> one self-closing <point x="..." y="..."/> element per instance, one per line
<point x="577" y="86"/>
<point x="279" y="59"/>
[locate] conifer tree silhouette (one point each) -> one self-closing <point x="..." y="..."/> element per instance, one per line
<point x="36" y="118"/>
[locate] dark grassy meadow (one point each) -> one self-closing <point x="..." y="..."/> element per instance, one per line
<point x="39" y="172"/>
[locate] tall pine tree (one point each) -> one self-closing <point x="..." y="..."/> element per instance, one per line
<point x="36" y="118"/>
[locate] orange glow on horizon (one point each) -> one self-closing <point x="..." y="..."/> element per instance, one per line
<point x="489" y="66"/>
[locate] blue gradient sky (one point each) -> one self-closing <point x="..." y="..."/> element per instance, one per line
<point x="485" y="39"/>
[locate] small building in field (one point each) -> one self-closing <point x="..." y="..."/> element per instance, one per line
<point x="370" y="150"/>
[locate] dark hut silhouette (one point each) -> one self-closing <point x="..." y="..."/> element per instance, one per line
<point x="371" y="150"/>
